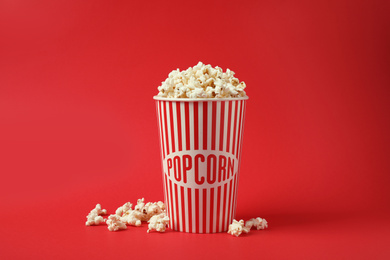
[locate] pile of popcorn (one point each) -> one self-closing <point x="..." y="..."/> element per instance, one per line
<point x="153" y="213"/>
<point x="202" y="81"/>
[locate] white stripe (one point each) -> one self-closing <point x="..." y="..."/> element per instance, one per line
<point x="168" y="127"/>
<point x="191" y="114"/>
<point x="234" y="199"/>
<point x="180" y="208"/>
<point x="193" y="210"/>
<point x="208" y="191"/>
<point x="232" y="127"/>
<point x="215" y="210"/>
<point x="174" y="118"/>
<point x="160" y="131"/>
<point x="173" y="199"/>
<point x="200" y="211"/>
<point x="170" y="209"/>
<point x="237" y="126"/>
<point x="200" y="119"/>
<point x="225" y="138"/>
<point x="221" y="209"/>
<point x="183" y="125"/>
<point x="218" y="125"/>
<point x="209" y="124"/>
<point x="227" y="206"/>
<point x="186" y="205"/>
<point x="165" y="192"/>
<point x="163" y="128"/>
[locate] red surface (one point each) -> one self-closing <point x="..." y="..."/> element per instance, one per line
<point x="78" y="124"/>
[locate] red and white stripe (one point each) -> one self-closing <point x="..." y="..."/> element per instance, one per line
<point x="197" y="126"/>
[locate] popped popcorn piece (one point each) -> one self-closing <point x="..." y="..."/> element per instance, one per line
<point x="114" y="223"/>
<point x="237" y="227"/>
<point x="161" y="205"/>
<point x="123" y="208"/>
<point x="202" y="81"/>
<point x="259" y="223"/>
<point x="94" y="217"/>
<point x="140" y="204"/>
<point x="158" y="223"/>
<point x="132" y="217"/>
<point x="149" y="209"/>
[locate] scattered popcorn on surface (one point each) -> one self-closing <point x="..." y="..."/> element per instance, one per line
<point x="141" y="212"/>
<point x="259" y="223"/>
<point x="202" y="81"/>
<point x="158" y="223"/>
<point x="114" y="223"/>
<point x="237" y="227"/>
<point x="94" y="217"/>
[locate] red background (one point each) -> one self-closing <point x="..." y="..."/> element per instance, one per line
<point x="78" y="124"/>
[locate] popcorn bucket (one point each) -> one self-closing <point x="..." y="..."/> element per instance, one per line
<point x="201" y="142"/>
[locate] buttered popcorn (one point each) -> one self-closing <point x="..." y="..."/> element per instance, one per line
<point x="202" y="81"/>
<point x="94" y="217"/>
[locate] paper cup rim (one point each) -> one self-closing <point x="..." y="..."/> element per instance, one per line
<point x="198" y="99"/>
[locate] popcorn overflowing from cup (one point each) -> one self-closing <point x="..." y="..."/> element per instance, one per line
<point x="202" y="81"/>
<point x="155" y="215"/>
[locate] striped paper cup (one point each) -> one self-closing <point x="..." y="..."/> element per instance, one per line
<point x="201" y="142"/>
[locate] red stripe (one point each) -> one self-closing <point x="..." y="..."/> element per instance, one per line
<point x="196" y="126"/>
<point x="179" y="124"/>
<point x="218" y="208"/>
<point x="229" y="116"/>
<point x="205" y="125"/>
<point x="234" y="127"/>
<point x="177" y="208"/>
<point x="187" y="118"/>
<point x="166" y="127"/>
<point x="204" y="209"/>
<point x="183" y="211"/>
<point x="239" y="131"/>
<point x="213" y="124"/>
<point x="172" y="127"/>
<point x="211" y="209"/>
<point x="197" y="217"/>
<point x="189" y="210"/>
<point x="224" y="221"/>
<point x="222" y="125"/>
<point x="230" y="202"/>
<point x="171" y="206"/>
